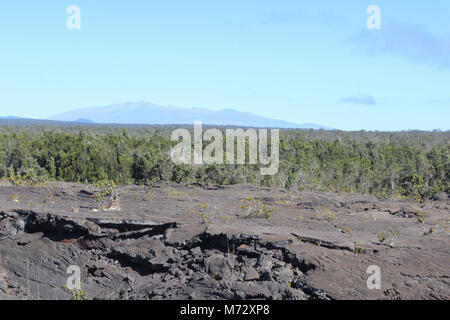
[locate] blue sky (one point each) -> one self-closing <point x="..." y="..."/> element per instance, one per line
<point x="300" y="61"/>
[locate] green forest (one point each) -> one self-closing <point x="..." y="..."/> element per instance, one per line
<point x="409" y="164"/>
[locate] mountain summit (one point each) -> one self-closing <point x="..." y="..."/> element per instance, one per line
<point x="148" y="113"/>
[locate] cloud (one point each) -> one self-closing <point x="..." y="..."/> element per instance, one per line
<point x="363" y="99"/>
<point x="408" y="40"/>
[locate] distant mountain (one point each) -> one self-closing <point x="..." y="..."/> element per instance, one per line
<point x="10" y="117"/>
<point x="148" y="113"/>
<point x="84" y="120"/>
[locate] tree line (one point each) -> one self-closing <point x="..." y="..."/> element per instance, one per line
<point x="404" y="164"/>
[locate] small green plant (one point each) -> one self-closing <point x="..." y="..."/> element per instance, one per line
<point x="326" y="215"/>
<point x="388" y="237"/>
<point x="359" y="249"/>
<point x="203" y="206"/>
<point x="289" y="199"/>
<point x="78" y="294"/>
<point x="108" y="195"/>
<point x="432" y="229"/>
<point x="16" y="180"/>
<point x="15" y="197"/>
<point x="29" y="179"/>
<point x="50" y="196"/>
<point x="214" y="276"/>
<point x="149" y="193"/>
<point x="256" y="208"/>
<point x="381" y="236"/>
<point x="421" y="217"/>
<point x="201" y="211"/>
<point x="174" y="193"/>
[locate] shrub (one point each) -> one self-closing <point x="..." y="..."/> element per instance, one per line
<point x="256" y="208"/>
<point x="108" y="195"/>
